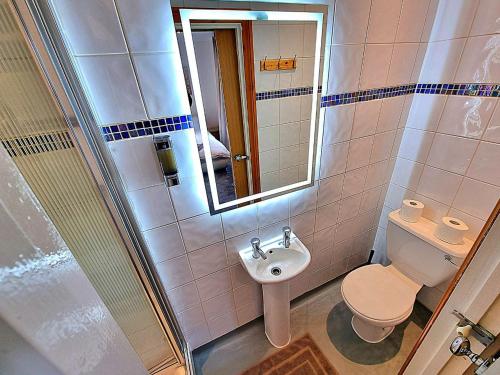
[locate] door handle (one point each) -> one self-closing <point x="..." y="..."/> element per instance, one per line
<point x="240" y="157"/>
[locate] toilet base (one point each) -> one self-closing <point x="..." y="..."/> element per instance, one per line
<point x="368" y="332"/>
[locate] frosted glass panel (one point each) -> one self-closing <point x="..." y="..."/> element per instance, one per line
<point x="35" y="135"/>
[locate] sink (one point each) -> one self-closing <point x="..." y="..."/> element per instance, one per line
<point x="274" y="274"/>
<point x="281" y="264"/>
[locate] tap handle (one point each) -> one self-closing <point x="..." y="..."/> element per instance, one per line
<point x="255" y="241"/>
<point x="287" y="230"/>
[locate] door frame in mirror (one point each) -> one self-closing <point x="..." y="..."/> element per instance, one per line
<point x="187" y="15"/>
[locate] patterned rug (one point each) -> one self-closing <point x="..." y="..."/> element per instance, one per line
<point x="301" y="357"/>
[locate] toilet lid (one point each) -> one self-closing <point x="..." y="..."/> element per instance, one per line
<point x="377" y="293"/>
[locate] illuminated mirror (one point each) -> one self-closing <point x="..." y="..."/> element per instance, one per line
<point x="253" y="80"/>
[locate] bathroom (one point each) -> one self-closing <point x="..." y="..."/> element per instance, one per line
<point x="345" y="109"/>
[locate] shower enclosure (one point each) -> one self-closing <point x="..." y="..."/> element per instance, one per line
<point x="47" y="129"/>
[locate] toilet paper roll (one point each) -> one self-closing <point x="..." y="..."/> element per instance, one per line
<point x="451" y="230"/>
<point x="411" y="210"/>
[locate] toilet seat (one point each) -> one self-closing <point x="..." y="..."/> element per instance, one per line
<point x="379" y="294"/>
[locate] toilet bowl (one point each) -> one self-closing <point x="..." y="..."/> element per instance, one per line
<point x="381" y="297"/>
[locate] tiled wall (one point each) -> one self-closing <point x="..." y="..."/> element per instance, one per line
<point x="450" y="153"/>
<point x="375" y="43"/>
<point x="284" y="122"/>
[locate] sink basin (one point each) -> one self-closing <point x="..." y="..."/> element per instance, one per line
<point x="274" y="274"/>
<point x="281" y="264"/>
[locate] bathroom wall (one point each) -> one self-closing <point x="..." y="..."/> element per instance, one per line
<point x="284" y="122"/>
<point x="133" y="73"/>
<point x="450" y="153"/>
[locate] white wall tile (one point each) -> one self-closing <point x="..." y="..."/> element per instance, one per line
<point x="137" y="162"/>
<point x="112" y="88"/>
<point x="189" y="197"/>
<point x="273" y="210"/>
<point x="338" y="123"/>
<point x="289" y="134"/>
<point x="433" y="210"/>
<point x="407" y="173"/>
<point x="266" y="40"/>
<point x="223" y="324"/>
<point x="454" y="19"/>
<point x="323" y="239"/>
<point x="369" y="199"/>
<point x="156" y="72"/>
<point x="201" y="231"/>
<point x="359" y="152"/>
<point x="476" y="198"/>
<point x="384" y="19"/>
<point x="91" y="27"/>
<point x="174" y="272"/>
<point x="425" y="111"/>
<point x="484" y="165"/>
<point x="412" y="20"/>
<point x="269" y="138"/>
<point x="303" y="200"/>
<point x="345" y="68"/>
<point x="214" y="284"/>
<point x="439" y="185"/>
<point x="152" y="207"/>
<point x="479" y="62"/>
<point x="354" y="181"/>
<point x="330" y="189"/>
<point x="184" y="297"/>
<point x="390" y="113"/>
<point x="289" y="109"/>
<point x="269" y="161"/>
<point x="365" y="118"/>
<point x="333" y="159"/>
<point x="351" y="21"/>
<point x="376" y="62"/>
<point x="164" y="242"/>
<point x="376" y="174"/>
<point x="441" y="61"/>
<point x="249" y="312"/>
<point x="208" y="259"/>
<point x="466" y="116"/>
<point x="326" y="216"/>
<point x="239" y="221"/>
<point x="239" y="276"/>
<point x="303" y="224"/>
<point x="415" y="145"/>
<point x="247" y="294"/>
<point x="218" y="305"/>
<point x="291" y="39"/>
<point x="402" y="61"/>
<point x="451" y="153"/>
<point x="382" y="146"/>
<point x="475" y="225"/>
<point x="268" y="112"/>
<point x="349" y="207"/>
<point x="492" y="133"/>
<point x="148" y="27"/>
<point x="486" y="19"/>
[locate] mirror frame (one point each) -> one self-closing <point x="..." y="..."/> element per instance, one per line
<point x="227" y="15"/>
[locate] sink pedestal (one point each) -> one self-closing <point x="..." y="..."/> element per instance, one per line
<point x="277" y="313"/>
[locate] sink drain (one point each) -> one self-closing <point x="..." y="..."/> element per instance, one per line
<point x="276" y="271"/>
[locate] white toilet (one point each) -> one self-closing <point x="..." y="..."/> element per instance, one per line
<point x="382" y="297"/>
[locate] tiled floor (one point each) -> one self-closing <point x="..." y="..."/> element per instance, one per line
<point x="322" y="314"/>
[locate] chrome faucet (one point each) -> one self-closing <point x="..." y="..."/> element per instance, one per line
<point x="257" y="251"/>
<point x="286" y="237"/>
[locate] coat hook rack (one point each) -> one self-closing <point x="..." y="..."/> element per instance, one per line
<point x="289" y="63"/>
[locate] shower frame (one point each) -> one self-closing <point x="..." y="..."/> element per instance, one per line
<point x="39" y="26"/>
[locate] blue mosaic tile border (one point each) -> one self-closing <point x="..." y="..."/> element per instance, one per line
<point x="146" y="127"/>
<point x="467" y="89"/>
<point x="283" y="93"/>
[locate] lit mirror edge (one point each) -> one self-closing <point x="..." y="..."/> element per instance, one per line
<point x="186" y="16"/>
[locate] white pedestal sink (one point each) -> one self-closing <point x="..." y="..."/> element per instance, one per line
<point x="274" y="274"/>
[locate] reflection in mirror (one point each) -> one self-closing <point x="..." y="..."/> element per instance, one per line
<point x="251" y="79"/>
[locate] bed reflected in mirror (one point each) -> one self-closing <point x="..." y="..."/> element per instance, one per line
<point x="253" y="80"/>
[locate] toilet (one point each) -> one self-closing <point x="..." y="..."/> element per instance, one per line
<point x="381" y="297"/>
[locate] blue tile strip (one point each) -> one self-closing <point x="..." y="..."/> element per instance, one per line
<point x="146" y="127"/>
<point x="467" y="89"/>
<point x="165" y="125"/>
<point x="283" y="93"/>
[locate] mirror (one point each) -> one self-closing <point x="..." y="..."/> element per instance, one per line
<point x="253" y="82"/>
